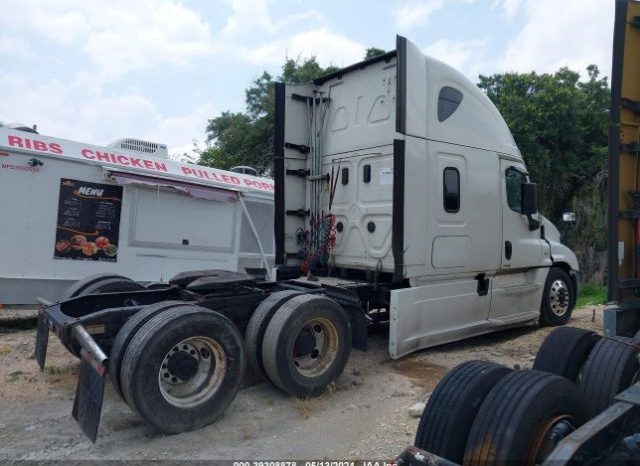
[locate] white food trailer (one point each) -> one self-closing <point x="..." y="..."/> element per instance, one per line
<point x="71" y="209"/>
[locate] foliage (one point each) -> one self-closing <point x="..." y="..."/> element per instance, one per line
<point x="560" y="125"/>
<point x="591" y="294"/>
<point x="246" y="138"/>
<point x="373" y="52"/>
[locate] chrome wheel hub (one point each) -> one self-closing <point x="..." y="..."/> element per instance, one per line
<point x="192" y="371"/>
<point x="559" y="297"/>
<point x="315" y="347"/>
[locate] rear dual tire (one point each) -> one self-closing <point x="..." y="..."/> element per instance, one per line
<point x="182" y="368"/>
<point x="126" y="334"/>
<point x="306" y="345"/>
<point x="254" y="336"/>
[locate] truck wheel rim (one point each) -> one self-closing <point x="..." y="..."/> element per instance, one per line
<point x="192" y="371"/>
<point x="559" y="297"/>
<point x="548" y="435"/>
<point x="315" y="361"/>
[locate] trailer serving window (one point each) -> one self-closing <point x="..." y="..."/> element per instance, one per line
<point x="168" y="219"/>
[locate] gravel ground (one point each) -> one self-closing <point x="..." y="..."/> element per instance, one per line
<point x="368" y="413"/>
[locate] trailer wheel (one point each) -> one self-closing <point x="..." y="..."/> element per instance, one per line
<point x="183" y="368"/>
<point x="126" y="333"/>
<point x="258" y="325"/>
<point x="452" y="408"/>
<point x="306" y="345"/>
<point x="558" y="298"/>
<point x="100" y="283"/>
<point x="611" y="367"/>
<point x="565" y="351"/>
<point x="523" y="418"/>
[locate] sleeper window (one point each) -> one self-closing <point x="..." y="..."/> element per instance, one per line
<point x="451" y="189"/>
<point x="514" y="179"/>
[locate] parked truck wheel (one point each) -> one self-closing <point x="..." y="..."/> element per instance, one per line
<point x="126" y="333"/>
<point x="558" y="298"/>
<point x="100" y="283"/>
<point x="258" y="325"/>
<point x="306" y="345"/>
<point x="611" y="367"/>
<point x="452" y="408"/>
<point x="183" y="368"/>
<point x="523" y="418"/>
<point x="565" y="351"/>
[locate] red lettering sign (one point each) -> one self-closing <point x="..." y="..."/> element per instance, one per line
<point x="40" y="146"/>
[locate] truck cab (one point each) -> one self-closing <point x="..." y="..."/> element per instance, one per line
<point x="424" y="192"/>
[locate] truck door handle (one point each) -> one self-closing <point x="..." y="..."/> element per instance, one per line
<point x="508" y="249"/>
<point x="483" y="284"/>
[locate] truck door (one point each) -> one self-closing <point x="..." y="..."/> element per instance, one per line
<point x="517" y="286"/>
<point x="521" y="247"/>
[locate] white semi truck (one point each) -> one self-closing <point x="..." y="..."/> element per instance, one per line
<point x="430" y="195"/>
<point x="400" y="199"/>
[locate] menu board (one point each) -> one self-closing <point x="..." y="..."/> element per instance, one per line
<point x="88" y="221"/>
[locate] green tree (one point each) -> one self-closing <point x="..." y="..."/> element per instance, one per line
<point x="373" y="52"/>
<point x="560" y="125"/>
<point x="246" y="138"/>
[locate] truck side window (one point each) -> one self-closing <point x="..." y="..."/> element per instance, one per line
<point x="514" y="179"/>
<point x="451" y="188"/>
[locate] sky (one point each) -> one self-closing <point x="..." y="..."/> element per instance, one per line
<point x="96" y="71"/>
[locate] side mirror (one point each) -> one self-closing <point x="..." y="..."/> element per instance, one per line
<point x="529" y="197"/>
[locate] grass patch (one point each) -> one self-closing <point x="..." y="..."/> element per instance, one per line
<point x="591" y="293"/>
<point x="305" y="406"/>
<point x="13" y="324"/>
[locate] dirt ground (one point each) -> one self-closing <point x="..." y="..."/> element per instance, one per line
<point x="366" y="415"/>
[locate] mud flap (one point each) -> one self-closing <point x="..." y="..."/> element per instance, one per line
<point x="42" y="340"/>
<point x="87" y="405"/>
